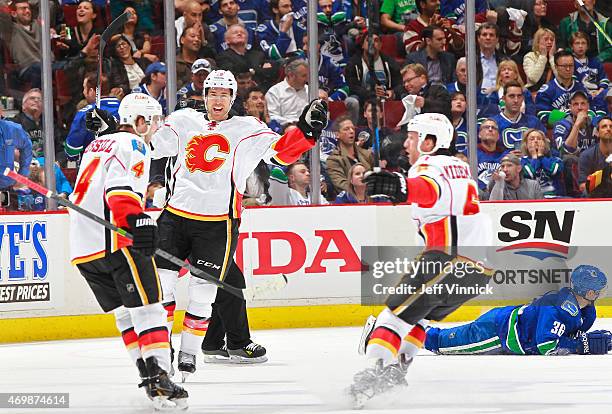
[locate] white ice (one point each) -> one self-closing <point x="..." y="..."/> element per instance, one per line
<point x="307" y="373"/>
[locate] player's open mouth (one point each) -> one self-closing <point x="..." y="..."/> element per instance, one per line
<point x="218" y="109"/>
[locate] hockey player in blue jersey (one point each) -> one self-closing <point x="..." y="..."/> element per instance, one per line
<point x="79" y="137"/>
<point x="556" y="323"/>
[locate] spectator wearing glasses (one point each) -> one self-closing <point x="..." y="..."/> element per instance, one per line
<point x="126" y="71"/>
<point x="552" y="100"/>
<point x="489" y="153"/>
<point x="30" y="118"/>
<point x="428" y="97"/>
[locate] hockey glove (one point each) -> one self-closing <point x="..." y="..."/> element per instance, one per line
<point x="313" y="119"/>
<point x="595" y="342"/>
<point x="100" y="122"/>
<point x="381" y="183"/>
<point x="144" y="230"/>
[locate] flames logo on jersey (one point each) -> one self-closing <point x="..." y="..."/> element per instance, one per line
<point x="206" y="153"/>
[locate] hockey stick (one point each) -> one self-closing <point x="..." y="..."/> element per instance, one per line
<point x="595" y="22"/>
<point x="104" y="38"/>
<point x="162" y="253"/>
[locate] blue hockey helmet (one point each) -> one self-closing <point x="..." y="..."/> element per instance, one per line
<point x="587" y="277"/>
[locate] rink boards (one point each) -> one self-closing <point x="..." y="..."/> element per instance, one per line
<point x="319" y="250"/>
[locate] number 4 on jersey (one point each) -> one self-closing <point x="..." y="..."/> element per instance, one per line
<point x="138" y="169"/>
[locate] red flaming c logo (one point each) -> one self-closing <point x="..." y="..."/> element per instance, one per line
<point x="200" y="155"/>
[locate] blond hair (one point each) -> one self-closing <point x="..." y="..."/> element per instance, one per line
<point x="538" y="36"/>
<point x="512" y="65"/>
<point x="526" y="134"/>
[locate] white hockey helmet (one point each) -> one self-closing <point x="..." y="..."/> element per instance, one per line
<point x="139" y="104"/>
<point x="434" y="124"/>
<point x="221" y="79"/>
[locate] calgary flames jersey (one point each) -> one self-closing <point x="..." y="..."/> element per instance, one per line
<point x="445" y="204"/>
<point x="214" y="160"/>
<point x="111" y="183"/>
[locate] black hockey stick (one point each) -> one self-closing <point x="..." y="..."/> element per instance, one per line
<point x="104" y="38"/>
<point x="162" y="253"/>
<point x="595" y="22"/>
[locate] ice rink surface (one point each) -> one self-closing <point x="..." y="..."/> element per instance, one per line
<point x="307" y="373"/>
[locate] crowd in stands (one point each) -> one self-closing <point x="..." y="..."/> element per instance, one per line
<point x="543" y="95"/>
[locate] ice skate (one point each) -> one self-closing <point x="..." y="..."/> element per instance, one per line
<point x="144" y="376"/>
<point x="216" y="356"/>
<point x="186" y="364"/>
<point x="378" y="380"/>
<point x="368" y="328"/>
<point x="251" y="354"/>
<point x="165" y="394"/>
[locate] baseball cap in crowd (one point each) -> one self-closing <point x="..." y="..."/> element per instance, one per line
<point x="510" y="158"/>
<point x="201" y="64"/>
<point x="155" y="68"/>
<point x="579" y="92"/>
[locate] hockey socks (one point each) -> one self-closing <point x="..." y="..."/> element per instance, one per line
<point x="194" y="330"/>
<point x="124" y="324"/>
<point x="150" y="325"/>
<point x="170" y="307"/>
<point x="415" y="339"/>
<point x="386" y="339"/>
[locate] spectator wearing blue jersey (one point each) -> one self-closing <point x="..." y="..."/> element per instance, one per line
<point x="574" y="133"/>
<point x="229" y="12"/>
<point x="13" y="137"/>
<point x="512" y="122"/>
<point x="589" y="71"/>
<point x="540" y="164"/>
<point x="281" y="36"/>
<point x="79" y="137"/>
<point x="154" y="84"/>
<point x="458" y="106"/>
<point x="489" y="154"/>
<point x="556" y="323"/>
<point x="553" y="97"/>
<point x="356" y="189"/>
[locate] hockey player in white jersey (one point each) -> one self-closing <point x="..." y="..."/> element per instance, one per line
<point x="446" y="209"/>
<point x="122" y="274"/>
<point x="215" y="154"/>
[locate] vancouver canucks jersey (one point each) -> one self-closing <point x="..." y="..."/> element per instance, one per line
<point x="547" y="325"/>
<point x="512" y="132"/>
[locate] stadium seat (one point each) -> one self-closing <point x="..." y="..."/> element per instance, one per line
<point x="608" y="68"/>
<point x="70" y="14"/>
<point x="390" y="47"/>
<point x="393" y="112"/>
<point x="336" y="108"/>
<point x="158" y="47"/>
<point x="558" y="9"/>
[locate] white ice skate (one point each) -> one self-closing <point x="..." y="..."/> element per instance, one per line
<point x="378" y="380"/>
